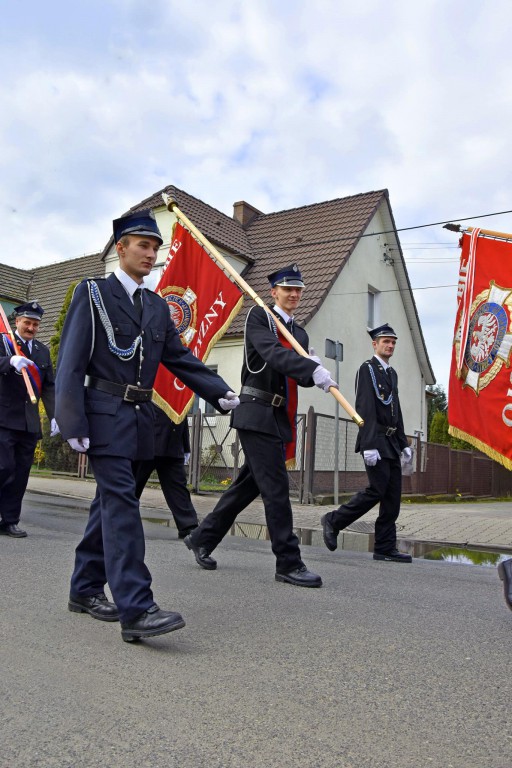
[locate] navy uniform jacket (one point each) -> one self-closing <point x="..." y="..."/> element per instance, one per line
<point x="273" y="363"/>
<point x="378" y="416"/>
<point x="16" y="410"/>
<point x="171" y="439"/>
<point x="116" y="427"/>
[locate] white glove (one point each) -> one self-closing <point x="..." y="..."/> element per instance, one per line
<point x="80" y="444"/>
<point x="407" y="454"/>
<point x="229" y="402"/>
<point x="19" y="362"/>
<point x="314" y="357"/>
<point x="186" y="459"/>
<point x="322" y="379"/>
<point x="54" y="428"/>
<point x="371" y="457"/>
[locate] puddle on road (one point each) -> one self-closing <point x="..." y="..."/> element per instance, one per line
<point x="460" y="555"/>
<point x="423" y="550"/>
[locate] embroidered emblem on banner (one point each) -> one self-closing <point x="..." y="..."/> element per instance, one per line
<point x="182" y="303"/>
<point x="489" y="338"/>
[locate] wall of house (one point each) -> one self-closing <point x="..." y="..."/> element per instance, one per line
<point x="227" y="355"/>
<point x="343" y="317"/>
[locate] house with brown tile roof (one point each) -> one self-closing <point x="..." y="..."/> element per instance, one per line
<point x="47" y="285"/>
<point x="350" y="256"/>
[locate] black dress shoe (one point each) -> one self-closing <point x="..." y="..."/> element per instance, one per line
<point x="151" y="623"/>
<point x="330" y="535"/>
<point x="201" y="555"/>
<point x="11" y="529"/>
<point x="96" y="606"/>
<point x="300" y="577"/>
<point x="393" y="556"/>
<point x="505" y="574"/>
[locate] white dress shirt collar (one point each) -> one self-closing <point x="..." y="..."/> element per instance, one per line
<point x="127" y="282"/>
<point x="28" y="342"/>
<point x="381" y="361"/>
<point x="282" y="314"/>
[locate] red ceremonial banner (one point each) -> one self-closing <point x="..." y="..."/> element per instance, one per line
<point x="480" y="389"/>
<point x="4" y="328"/>
<point x="203" y="302"/>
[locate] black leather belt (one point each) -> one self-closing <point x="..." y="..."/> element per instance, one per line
<point x="388" y="431"/>
<point x="276" y="400"/>
<point x="128" y="392"/>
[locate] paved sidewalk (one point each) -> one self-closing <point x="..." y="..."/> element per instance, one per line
<point x="484" y="524"/>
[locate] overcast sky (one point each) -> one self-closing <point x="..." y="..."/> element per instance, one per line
<point x="281" y="103"/>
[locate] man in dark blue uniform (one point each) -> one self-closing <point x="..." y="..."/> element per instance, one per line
<point x="115" y="335"/>
<point x="265" y="420"/>
<point x="20" y="425"/>
<point x="172" y="444"/>
<point x="381" y="440"/>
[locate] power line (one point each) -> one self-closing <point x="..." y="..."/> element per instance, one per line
<point x="428" y="247"/>
<point x="438" y="223"/>
<point x="302" y="243"/>
<point x="396" y="290"/>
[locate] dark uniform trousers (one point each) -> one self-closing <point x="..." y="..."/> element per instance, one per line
<point x="114" y="527"/>
<point x="16" y="455"/>
<point x="385" y="486"/>
<point x="173" y="481"/>
<point x="172" y="441"/>
<point x="264" y="472"/>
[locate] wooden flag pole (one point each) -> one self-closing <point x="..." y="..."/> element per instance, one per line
<point x="26" y="379"/>
<point x="246" y="288"/>
<point x="491" y="233"/>
<point x="486" y="232"/>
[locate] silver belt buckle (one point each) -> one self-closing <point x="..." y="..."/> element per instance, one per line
<point x="390" y="431"/>
<point x="129" y="388"/>
<point x="277" y="401"/>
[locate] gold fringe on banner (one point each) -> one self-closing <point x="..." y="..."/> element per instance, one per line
<point x="476" y="443"/>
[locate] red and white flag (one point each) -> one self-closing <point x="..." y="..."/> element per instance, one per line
<point x="480" y="389"/>
<point x="203" y="302"/>
<point x="4" y="328"/>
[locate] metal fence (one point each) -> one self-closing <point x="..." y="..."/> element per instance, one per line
<point x="437" y="469"/>
<point x="217" y="456"/>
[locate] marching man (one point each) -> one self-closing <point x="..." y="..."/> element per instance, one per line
<point x="115" y="335"/>
<point x="20" y="425"/>
<point x="381" y="440"/>
<point x="265" y="421"/>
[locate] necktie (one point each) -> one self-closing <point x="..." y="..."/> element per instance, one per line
<point x="24" y="346"/>
<point x="137" y="302"/>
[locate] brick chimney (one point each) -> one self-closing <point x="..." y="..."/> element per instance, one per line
<point x="244" y="213"/>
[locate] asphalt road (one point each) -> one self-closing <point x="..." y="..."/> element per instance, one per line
<point x="386" y="666"/>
